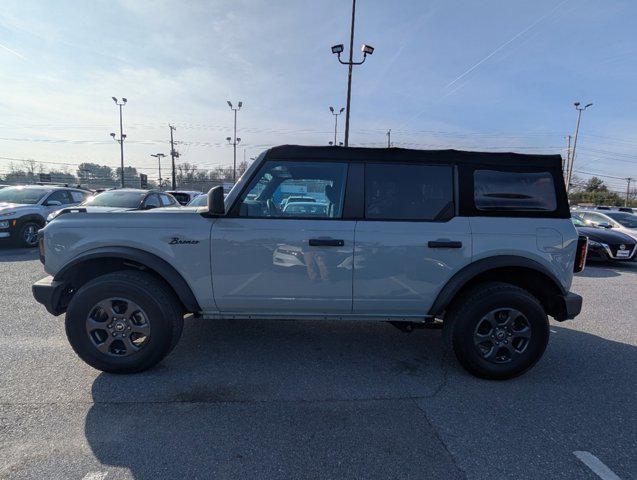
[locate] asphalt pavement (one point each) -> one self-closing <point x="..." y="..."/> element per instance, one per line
<point x="283" y="399"/>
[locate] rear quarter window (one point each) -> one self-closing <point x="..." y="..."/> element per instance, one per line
<point x="514" y="191"/>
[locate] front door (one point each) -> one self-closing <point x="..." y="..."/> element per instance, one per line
<point x="283" y="248"/>
<point x="410" y="242"/>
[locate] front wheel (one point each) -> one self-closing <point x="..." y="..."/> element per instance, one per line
<point x="497" y="331"/>
<point x="124" y="322"/>
<point x="27" y="235"/>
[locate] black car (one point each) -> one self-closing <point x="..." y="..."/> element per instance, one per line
<point x="604" y="245"/>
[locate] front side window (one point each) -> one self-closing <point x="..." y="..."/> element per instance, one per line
<point x="408" y="192"/>
<point x="523" y="191"/>
<point x="317" y="190"/>
<point x="61" y="196"/>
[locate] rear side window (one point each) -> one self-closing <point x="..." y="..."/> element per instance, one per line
<point x="78" y="197"/>
<point x="408" y="192"/>
<point x="522" y="191"/>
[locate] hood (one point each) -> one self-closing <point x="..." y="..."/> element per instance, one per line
<point x="606" y="236"/>
<point x="10" y="207"/>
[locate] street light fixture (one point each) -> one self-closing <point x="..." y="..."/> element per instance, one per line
<point x="122" y="137"/>
<point x="336" y="120"/>
<point x="236" y="140"/>
<point x="338" y="50"/>
<point x="579" y="118"/>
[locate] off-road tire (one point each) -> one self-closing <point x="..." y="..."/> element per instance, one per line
<point x="165" y="316"/>
<point x="464" y="315"/>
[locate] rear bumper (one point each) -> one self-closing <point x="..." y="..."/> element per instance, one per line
<point x="572" y="305"/>
<point x="49" y="292"/>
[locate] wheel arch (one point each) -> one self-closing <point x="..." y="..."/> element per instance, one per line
<point x="99" y="261"/>
<point x="31" y="217"/>
<point x="520" y="271"/>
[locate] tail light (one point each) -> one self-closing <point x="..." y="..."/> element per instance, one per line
<point x="580" y="255"/>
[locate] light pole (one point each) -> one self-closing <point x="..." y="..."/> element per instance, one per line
<point x="337" y="50"/>
<point x="173" y="154"/>
<point x="122" y="137"/>
<point x="336" y="120"/>
<point x="579" y="118"/>
<point x="236" y="140"/>
<point x="158" y="157"/>
<point x="234" y="143"/>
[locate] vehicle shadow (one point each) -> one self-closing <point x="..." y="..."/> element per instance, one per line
<point x="333" y="400"/>
<point x="9" y="253"/>
<point x="607" y="269"/>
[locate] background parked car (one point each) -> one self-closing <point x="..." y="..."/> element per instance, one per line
<point x="184" y="197"/>
<point x="24" y="209"/>
<point x="605" y="244"/>
<point x="621" y="221"/>
<point x="124" y="199"/>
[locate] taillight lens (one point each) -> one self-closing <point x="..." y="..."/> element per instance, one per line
<point x="580" y="255"/>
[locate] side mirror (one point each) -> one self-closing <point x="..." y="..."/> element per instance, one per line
<point x="604" y="225"/>
<point x="54" y="203"/>
<point x="216" y="205"/>
<point x="149" y="207"/>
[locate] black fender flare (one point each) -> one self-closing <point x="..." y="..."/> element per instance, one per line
<point x="469" y="272"/>
<point x="149" y="260"/>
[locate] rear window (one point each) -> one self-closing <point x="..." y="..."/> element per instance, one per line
<point x="523" y="191"/>
<point x="408" y="192"/>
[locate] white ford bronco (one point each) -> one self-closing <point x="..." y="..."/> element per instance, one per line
<point x="480" y="241"/>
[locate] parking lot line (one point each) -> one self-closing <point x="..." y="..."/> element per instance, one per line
<point x="95" y="476"/>
<point x="596" y="465"/>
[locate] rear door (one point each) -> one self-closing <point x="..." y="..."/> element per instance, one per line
<point x="410" y="241"/>
<point x="269" y="260"/>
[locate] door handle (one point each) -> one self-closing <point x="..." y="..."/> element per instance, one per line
<point x="444" y="244"/>
<point x="326" y="242"/>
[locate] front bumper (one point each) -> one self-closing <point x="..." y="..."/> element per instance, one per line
<point x="572" y="305"/>
<point x="50" y="293"/>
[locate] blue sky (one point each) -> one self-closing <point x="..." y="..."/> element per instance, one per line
<point x="445" y="74"/>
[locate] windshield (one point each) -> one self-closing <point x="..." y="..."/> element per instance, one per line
<point x="116" y="199"/>
<point x="23" y="195"/>
<point x="627" y="220"/>
<point x="199" y="201"/>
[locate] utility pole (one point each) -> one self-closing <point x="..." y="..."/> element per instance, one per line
<point x="628" y="190"/>
<point x="565" y="164"/>
<point x="173" y="154"/>
<point x="389" y="138"/>
<point x="122" y="137"/>
<point x="337" y="50"/>
<point x="579" y="118"/>
<point x="158" y="157"/>
<point x="235" y="140"/>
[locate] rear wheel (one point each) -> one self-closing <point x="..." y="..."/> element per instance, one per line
<point x="497" y="331"/>
<point x="124" y="322"/>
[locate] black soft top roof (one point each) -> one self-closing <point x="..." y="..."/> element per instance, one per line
<point x="508" y="159"/>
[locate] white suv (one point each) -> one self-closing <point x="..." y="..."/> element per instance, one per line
<point x="481" y="241"/>
<point x="24" y="209"/>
